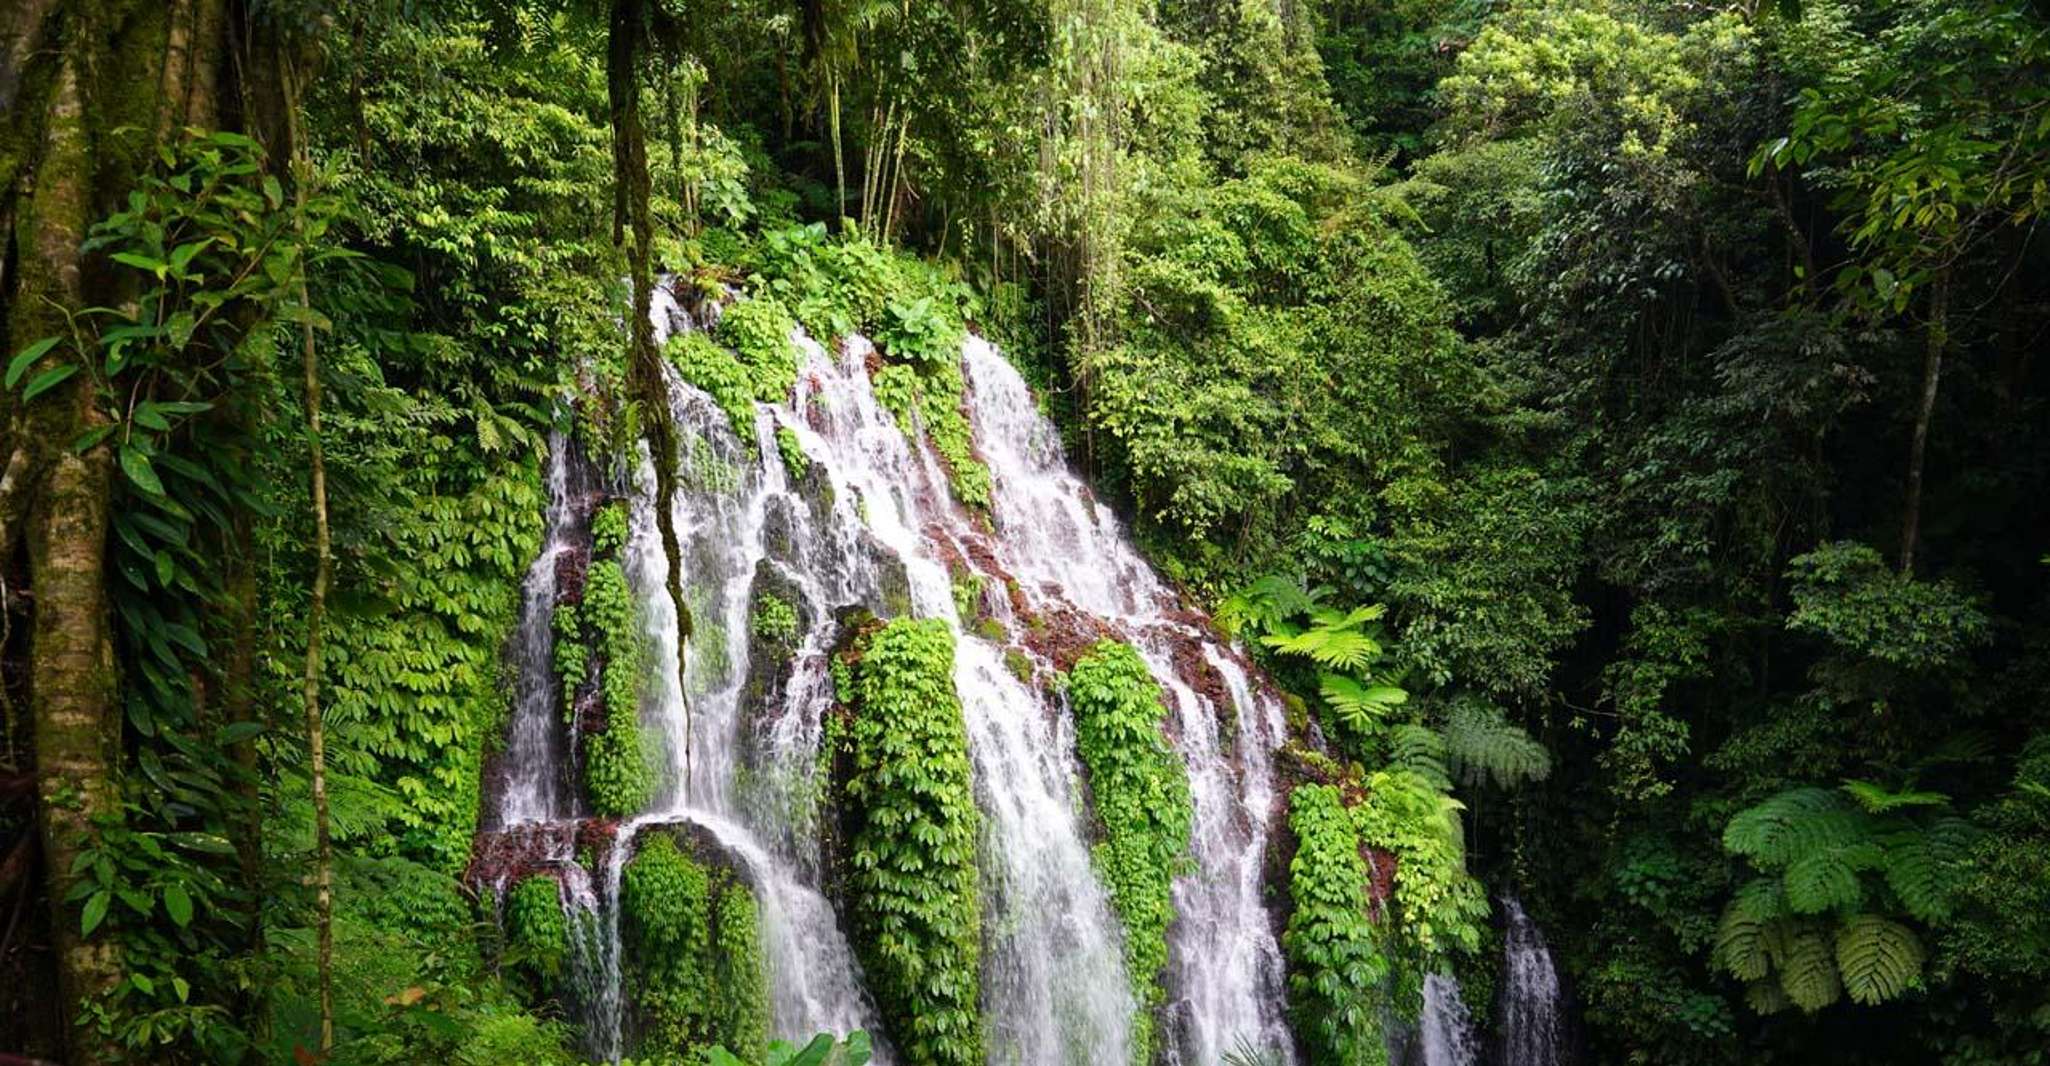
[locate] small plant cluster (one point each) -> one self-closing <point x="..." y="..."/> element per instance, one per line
<point x="929" y="396"/>
<point x="1335" y="960"/>
<point x="914" y="313"/>
<point x="696" y="961"/>
<point x="759" y="367"/>
<point x="603" y="634"/>
<point x="536" y="932"/>
<point x="1141" y="792"/>
<point x="774" y="620"/>
<point x="795" y="462"/>
<point x="912" y="826"/>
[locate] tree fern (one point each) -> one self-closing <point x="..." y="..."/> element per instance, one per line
<point x="1481" y="744"/>
<point x="1794" y="823"/>
<point x="1879" y="959"/>
<point x="1740" y="939"/>
<point x="1808" y="969"/>
<point x="1827" y="880"/>
<point x="1876" y="799"/>
<point x="1421" y="751"/>
<point x="1360" y="705"/>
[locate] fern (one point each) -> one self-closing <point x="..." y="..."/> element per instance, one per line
<point x="1877" y="800"/>
<point x="1767" y="997"/>
<point x="1419" y="750"/>
<point x="1483" y="745"/>
<point x="1345" y="649"/>
<point x="1879" y="959"/>
<point x="1827" y="880"/>
<point x="1264" y="604"/>
<point x="1748" y="925"/>
<point x="1792" y="824"/>
<point x="1359" y="705"/>
<point x="1808" y="969"/>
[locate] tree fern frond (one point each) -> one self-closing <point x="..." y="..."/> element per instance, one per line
<point x="1808" y="972"/>
<point x="1481" y="744"/>
<point x="1360" y="706"/>
<point x="1877" y="799"/>
<point x="1345" y="649"/>
<point x="1827" y="880"/>
<point x="1421" y="751"/>
<point x="1794" y="823"/>
<point x="1739" y="948"/>
<point x="1767" y="997"/>
<point x="1879" y="959"/>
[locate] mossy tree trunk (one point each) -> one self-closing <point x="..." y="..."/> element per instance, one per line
<point x="87" y="87"/>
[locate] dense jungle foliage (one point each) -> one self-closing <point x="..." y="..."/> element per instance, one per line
<point x="1618" y="426"/>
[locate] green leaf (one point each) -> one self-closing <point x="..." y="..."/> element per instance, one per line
<point x="142" y="262"/>
<point x="27" y="358"/>
<point x="178" y="904"/>
<point x="136" y="465"/>
<point x="95" y="912"/>
<point x="47" y="380"/>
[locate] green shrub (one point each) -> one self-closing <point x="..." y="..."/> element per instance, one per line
<point x="759" y="329"/>
<point x="795" y="462"/>
<point x="911" y="847"/>
<point x="696" y="967"/>
<point x="1142" y="800"/>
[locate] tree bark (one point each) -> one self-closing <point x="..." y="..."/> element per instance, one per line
<point x="1938" y="338"/>
<point x="71" y="668"/>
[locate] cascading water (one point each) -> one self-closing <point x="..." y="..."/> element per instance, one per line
<point x="1529" y="1010"/>
<point x="870" y="521"/>
<point x="534" y="762"/>
<point x="1445" y="1027"/>
<point x="1063" y="549"/>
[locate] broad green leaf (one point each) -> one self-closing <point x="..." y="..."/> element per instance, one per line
<point x="27" y="358"/>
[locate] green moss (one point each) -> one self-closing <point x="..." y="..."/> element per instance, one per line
<point x="1141" y="792"/>
<point x="912" y="827"/>
<point x="722" y="376"/>
<point x="1019" y="664"/>
<point x="616" y="773"/>
<point x="535" y="929"/>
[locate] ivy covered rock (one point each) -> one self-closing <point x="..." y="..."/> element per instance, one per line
<point x="909" y="825"/>
<point x="1141" y="794"/>
<point x="694" y="966"/>
<point x="1335" y="961"/>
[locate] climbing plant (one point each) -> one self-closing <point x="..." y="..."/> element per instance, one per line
<point x="1335" y="958"/>
<point x="911" y="846"/>
<point x="1141" y="795"/>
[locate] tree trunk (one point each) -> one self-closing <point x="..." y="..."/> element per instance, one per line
<point x="1938" y="336"/>
<point x="71" y="665"/>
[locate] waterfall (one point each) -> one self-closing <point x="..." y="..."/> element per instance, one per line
<point x="1445" y="1027"/>
<point x="870" y="520"/>
<point x="1529" y="1011"/>
<point x="535" y="766"/>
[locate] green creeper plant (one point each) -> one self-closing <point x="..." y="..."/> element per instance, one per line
<point x="1336" y="966"/>
<point x="1141" y="794"/>
<point x="911" y="843"/>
